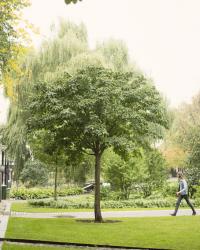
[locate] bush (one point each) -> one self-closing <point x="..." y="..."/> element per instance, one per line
<point x="170" y="189"/>
<point x="107" y="194"/>
<point x="41" y="193"/>
<point x="138" y="203"/>
<point x="197" y="191"/>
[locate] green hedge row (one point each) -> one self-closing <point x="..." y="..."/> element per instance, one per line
<point x="41" y="193"/>
<point x="142" y="203"/>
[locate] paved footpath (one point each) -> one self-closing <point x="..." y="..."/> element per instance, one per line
<point x="111" y="214"/>
<point x="4" y="219"/>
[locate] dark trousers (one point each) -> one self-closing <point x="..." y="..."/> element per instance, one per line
<point x="178" y="202"/>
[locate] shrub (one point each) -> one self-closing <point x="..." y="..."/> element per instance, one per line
<point x="141" y="203"/>
<point x="170" y="189"/>
<point x="197" y="191"/>
<point x="41" y="193"/>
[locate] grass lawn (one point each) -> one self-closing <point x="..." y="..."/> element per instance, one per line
<point x="180" y="232"/>
<point x="25" y="207"/>
<point x="12" y="246"/>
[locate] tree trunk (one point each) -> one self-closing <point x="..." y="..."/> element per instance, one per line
<point x="97" y="208"/>
<point x="55" y="183"/>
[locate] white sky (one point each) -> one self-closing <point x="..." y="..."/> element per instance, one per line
<point x="163" y="36"/>
<point x="4" y="105"/>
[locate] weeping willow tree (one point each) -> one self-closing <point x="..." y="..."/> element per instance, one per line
<point x="116" y="55"/>
<point x="54" y="55"/>
<point x="14" y="137"/>
<point x="14" y="133"/>
<point x="15" y="44"/>
<point x="47" y="63"/>
<point x="67" y="50"/>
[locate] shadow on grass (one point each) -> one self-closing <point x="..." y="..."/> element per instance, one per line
<point x="93" y="221"/>
<point x="64" y="216"/>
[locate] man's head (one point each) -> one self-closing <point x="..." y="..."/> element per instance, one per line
<point x="180" y="175"/>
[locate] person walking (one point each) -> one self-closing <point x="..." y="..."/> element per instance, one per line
<point x="182" y="194"/>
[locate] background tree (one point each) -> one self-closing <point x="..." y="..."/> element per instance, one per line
<point x="15" y="138"/>
<point x="183" y="139"/>
<point x="34" y="173"/>
<point x="186" y="120"/>
<point x="144" y="171"/>
<point x="79" y="170"/>
<point x="45" y="147"/>
<point x="192" y="169"/>
<point x="56" y="55"/>
<point x="122" y="174"/>
<point x="14" y="40"/>
<point x="116" y="55"/>
<point x="156" y="172"/>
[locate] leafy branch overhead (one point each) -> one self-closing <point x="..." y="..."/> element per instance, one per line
<point x="71" y="1"/>
<point x="98" y="106"/>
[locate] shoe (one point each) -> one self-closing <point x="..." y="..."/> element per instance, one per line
<point x="173" y="214"/>
<point x="194" y="213"/>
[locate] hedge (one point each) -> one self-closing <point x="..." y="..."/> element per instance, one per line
<point x="142" y="203"/>
<point x="23" y="193"/>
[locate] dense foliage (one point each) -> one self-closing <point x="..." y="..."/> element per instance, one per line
<point x="184" y="141"/>
<point x="144" y="171"/>
<point x="34" y="173"/>
<point x="71" y="1"/>
<point x="9" y="35"/>
<point x="136" y="203"/>
<point x="23" y="193"/>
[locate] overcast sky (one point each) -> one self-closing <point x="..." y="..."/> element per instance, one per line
<point x="163" y="36"/>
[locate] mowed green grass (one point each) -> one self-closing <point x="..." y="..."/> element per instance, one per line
<point x="12" y="246"/>
<point x="180" y="232"/>
<point x="27" y="208"/>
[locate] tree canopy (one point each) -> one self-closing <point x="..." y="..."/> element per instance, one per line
<point x="15" y="42"/>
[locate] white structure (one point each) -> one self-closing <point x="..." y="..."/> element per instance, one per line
<point x="5" y="172"/>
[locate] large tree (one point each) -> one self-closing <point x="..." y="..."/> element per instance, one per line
<point x="13" y="39"/>
<point x="47" y="63"/>
<point x="183" y="134"/>
<point x="97" y="108"/>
